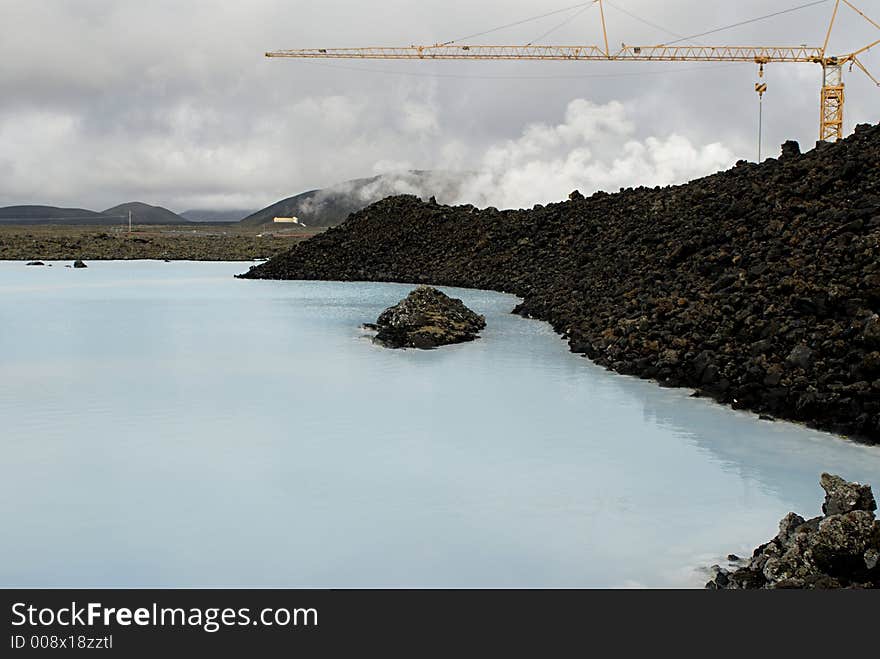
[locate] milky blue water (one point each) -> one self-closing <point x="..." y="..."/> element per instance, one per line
<point x="164" y="424"/>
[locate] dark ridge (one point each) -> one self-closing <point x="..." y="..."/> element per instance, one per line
<point x="52" y="215"/>
<point x="141" y="214"/>
<point x="758" y="286"/>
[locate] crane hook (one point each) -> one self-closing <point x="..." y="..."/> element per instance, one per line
<point x="761" y="87"/>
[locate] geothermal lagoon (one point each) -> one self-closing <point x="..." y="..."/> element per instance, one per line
<point x="165" y="424"/>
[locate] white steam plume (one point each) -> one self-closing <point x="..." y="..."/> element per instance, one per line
<point x="592" y="149"/>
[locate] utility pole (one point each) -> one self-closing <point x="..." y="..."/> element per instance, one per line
<point x="129" y="221"/>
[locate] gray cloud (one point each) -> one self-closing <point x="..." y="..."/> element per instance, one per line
<point x="172" y="102"/>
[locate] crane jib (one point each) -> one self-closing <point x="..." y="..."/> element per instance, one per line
<point x="589" y="53"/>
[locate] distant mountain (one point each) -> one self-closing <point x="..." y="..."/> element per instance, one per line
<point x="315" y="208"/>
<point x="330" y="206"/>
<point x="145" y="214"/>
<point x="207" y="215"/>
<point x="140" y="214"/>
<point x="52" y="214"/>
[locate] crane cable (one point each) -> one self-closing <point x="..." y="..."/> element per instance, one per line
<point x="761" y="89"/>
<point x="563" y="23"/>
<point x="644" y="20"/>
<point x="760" y="125"/>
<point x="580" y="5"/>
<point x="748" y="22"/>
<point x="583" y="6"/>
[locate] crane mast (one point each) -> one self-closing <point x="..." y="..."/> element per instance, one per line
<point x="832" y="92"/>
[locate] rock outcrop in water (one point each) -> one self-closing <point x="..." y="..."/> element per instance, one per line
<point x="758" y="286"/>
<point x="840" y="549"/>
<point x="427" y="318"/>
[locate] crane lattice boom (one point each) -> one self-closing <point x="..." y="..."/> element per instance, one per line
<point x="757" y="54"/>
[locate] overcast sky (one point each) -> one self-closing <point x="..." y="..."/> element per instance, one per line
<point x="172" y="102"/>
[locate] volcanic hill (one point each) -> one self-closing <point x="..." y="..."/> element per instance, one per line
<point x="758" y="286"/>
<point x="142" y="213"/>
<point x="52" y="215"/>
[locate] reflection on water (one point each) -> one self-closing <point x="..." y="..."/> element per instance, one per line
<point x="166" y="424"/>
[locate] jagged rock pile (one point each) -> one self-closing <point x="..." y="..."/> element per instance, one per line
<point x="758" y="286"/>
<point x="427" y="318"/>
<point x="840" y="549"/>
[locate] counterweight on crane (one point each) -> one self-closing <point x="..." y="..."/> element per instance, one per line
<point x="832" y="93"/>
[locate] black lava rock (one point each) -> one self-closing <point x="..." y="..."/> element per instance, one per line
<point x="791" y="149"/>
<point x="427" y="318"/>
<point x="842" y="497"/>
<point x="79" y="264"/>
<point x="841" y="549"/>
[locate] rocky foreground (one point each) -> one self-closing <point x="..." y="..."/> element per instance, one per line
<point x="839" y="549"/>
<point x="427" y="318"/>
<point x="758" y="286"/>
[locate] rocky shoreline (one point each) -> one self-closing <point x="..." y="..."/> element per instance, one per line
<point x="839" y="549"/>
<point x="758" y="286"/>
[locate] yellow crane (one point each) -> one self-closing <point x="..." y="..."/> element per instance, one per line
<point x="832" y="94"/>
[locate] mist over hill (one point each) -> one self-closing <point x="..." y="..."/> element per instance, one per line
<point x="330" y="206"/>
